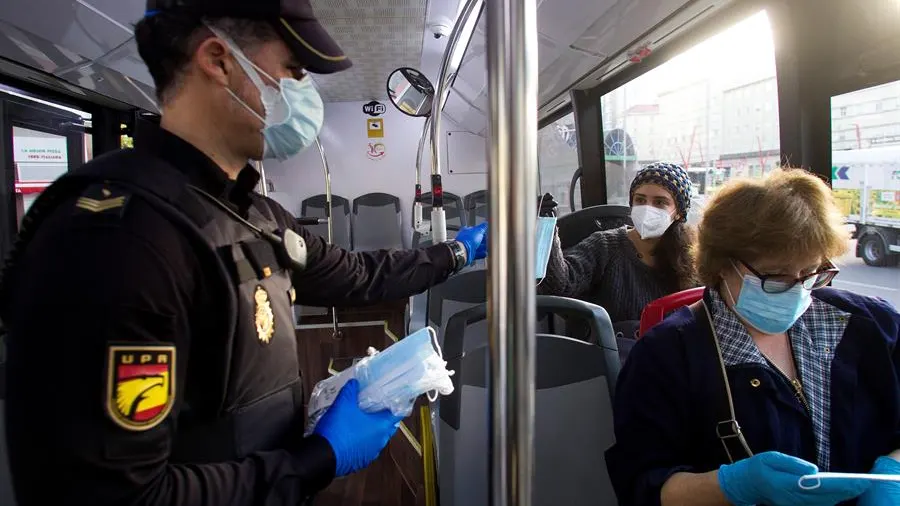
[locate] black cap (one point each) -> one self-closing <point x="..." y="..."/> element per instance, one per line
<point x="293" y="19"/>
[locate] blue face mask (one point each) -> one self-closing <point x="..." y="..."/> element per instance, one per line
<point x="546" y="227"/>
<point x="294" y="111"/>
<point x="770" y="313"/>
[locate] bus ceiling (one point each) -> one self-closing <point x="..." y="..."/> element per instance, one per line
<point x="86" y="49"/>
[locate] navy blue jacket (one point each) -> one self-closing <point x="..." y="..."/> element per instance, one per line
<point x="665" y="417"/>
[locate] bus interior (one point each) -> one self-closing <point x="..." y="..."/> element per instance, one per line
<point x="725" y="88"/>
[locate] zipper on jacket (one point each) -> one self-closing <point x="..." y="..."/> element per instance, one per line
<point x="795" y="384"/>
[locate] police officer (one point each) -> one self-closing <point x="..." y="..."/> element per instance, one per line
<point x="152" y="355"/>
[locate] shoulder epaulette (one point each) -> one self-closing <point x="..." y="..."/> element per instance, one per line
<point x="102" y="198"/>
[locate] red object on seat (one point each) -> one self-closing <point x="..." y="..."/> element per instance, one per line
<point x="657" y="310"/>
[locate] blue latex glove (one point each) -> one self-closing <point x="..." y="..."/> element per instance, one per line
<point x="883" y="493"/>
<point x="474" y="239"/>
<point x="356" y="437"/>
<point x="772" y="478"/>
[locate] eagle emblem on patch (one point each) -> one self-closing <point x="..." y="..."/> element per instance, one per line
<point x="265" y="317"/>
<point x="140" y="385"/>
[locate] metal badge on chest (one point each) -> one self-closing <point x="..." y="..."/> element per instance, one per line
<point x="265" y="317"/>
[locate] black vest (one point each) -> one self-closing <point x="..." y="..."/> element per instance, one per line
<point x="254" y="401"/>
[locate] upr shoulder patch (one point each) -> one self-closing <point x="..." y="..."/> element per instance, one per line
<point x="140" y="387"/>
<point x="102" y="198"/>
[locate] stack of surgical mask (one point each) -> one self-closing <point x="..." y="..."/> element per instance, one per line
<point x="390" y="379"/>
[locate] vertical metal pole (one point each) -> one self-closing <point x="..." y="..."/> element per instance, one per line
<point x="417" y="203"/>
<point x="263" y="183"/>
<point x="336" y="333"/>
<point x="513" y="90"/>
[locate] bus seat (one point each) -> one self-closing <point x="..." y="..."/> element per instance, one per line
<point x="656" y="310"/>
<point x="575" y="384"/>
<point x="340" y="208"/>
<point x="376" y="222"/>
<point x="453" y="208"/>
<point x="460" y="292"/>
<point x="418" y="304"/>
<point x="476" y="204"/>
<point x="575" y="227"/>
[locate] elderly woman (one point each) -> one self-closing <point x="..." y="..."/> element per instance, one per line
<point x="623" y="269"/>
<point x="772" y="376"/>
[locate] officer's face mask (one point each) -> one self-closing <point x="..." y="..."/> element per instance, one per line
<point x="770" y="313"/>
<point x="294" y="111"/>
<point x="650" y="222"/>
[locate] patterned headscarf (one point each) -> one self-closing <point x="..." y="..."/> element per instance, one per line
<point x="670" y="176"/>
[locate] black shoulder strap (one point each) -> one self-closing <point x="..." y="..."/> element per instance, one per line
<point x="151" y="179"/>
<point x="727" y="428"/>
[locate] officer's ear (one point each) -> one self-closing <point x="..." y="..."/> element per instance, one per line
<point x="213" y="59"/>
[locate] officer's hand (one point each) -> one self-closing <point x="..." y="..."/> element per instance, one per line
<point x="474" y="239"/>
<point x="773" y="478"/>
<point x="356" y="437"/>
<point x="547" y="205"/>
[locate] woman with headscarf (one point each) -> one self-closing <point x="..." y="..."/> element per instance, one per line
<point x="625" y="268"/>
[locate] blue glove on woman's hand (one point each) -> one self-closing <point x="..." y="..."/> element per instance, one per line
<point x="356" y="437"/>
<point x="883" y="493"/>
<point x="474" y="239"/>
<point x="772" y="478"/>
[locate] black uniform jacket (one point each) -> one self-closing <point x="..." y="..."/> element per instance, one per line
<point x="98" y="278"/>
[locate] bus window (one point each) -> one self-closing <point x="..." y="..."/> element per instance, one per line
<point x="558" y="161"/>
<point x="865" y="175"/>
<point x="712" y="109"/>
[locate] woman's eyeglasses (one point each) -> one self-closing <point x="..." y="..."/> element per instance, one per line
<point x="779" y="283"/>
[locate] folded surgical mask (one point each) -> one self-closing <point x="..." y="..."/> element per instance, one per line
<point x="650" y="222"/>
<point x="390" y="379"/>
<point x="294" y="112"/>
<point x="814" y="481"/>
<point x="546" y="228"/>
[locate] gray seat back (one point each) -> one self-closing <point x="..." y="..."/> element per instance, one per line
<point x="340" y="215"/>
<point x="575" y="227"/>
<point x="476" y="204"/>
<point x="460" y="292"/>
<point x="453" y="209"/>
<point x="418" y="304"/>
<point x="575" y="384"/>
<point x="376" y="222"/>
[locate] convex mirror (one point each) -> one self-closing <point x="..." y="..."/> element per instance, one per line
<point x="410" y="91"/>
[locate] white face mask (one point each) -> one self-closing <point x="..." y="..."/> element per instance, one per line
<point x="650" y="222"/>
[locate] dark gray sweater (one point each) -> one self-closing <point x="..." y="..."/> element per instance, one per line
<point x="603" y="269"/>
